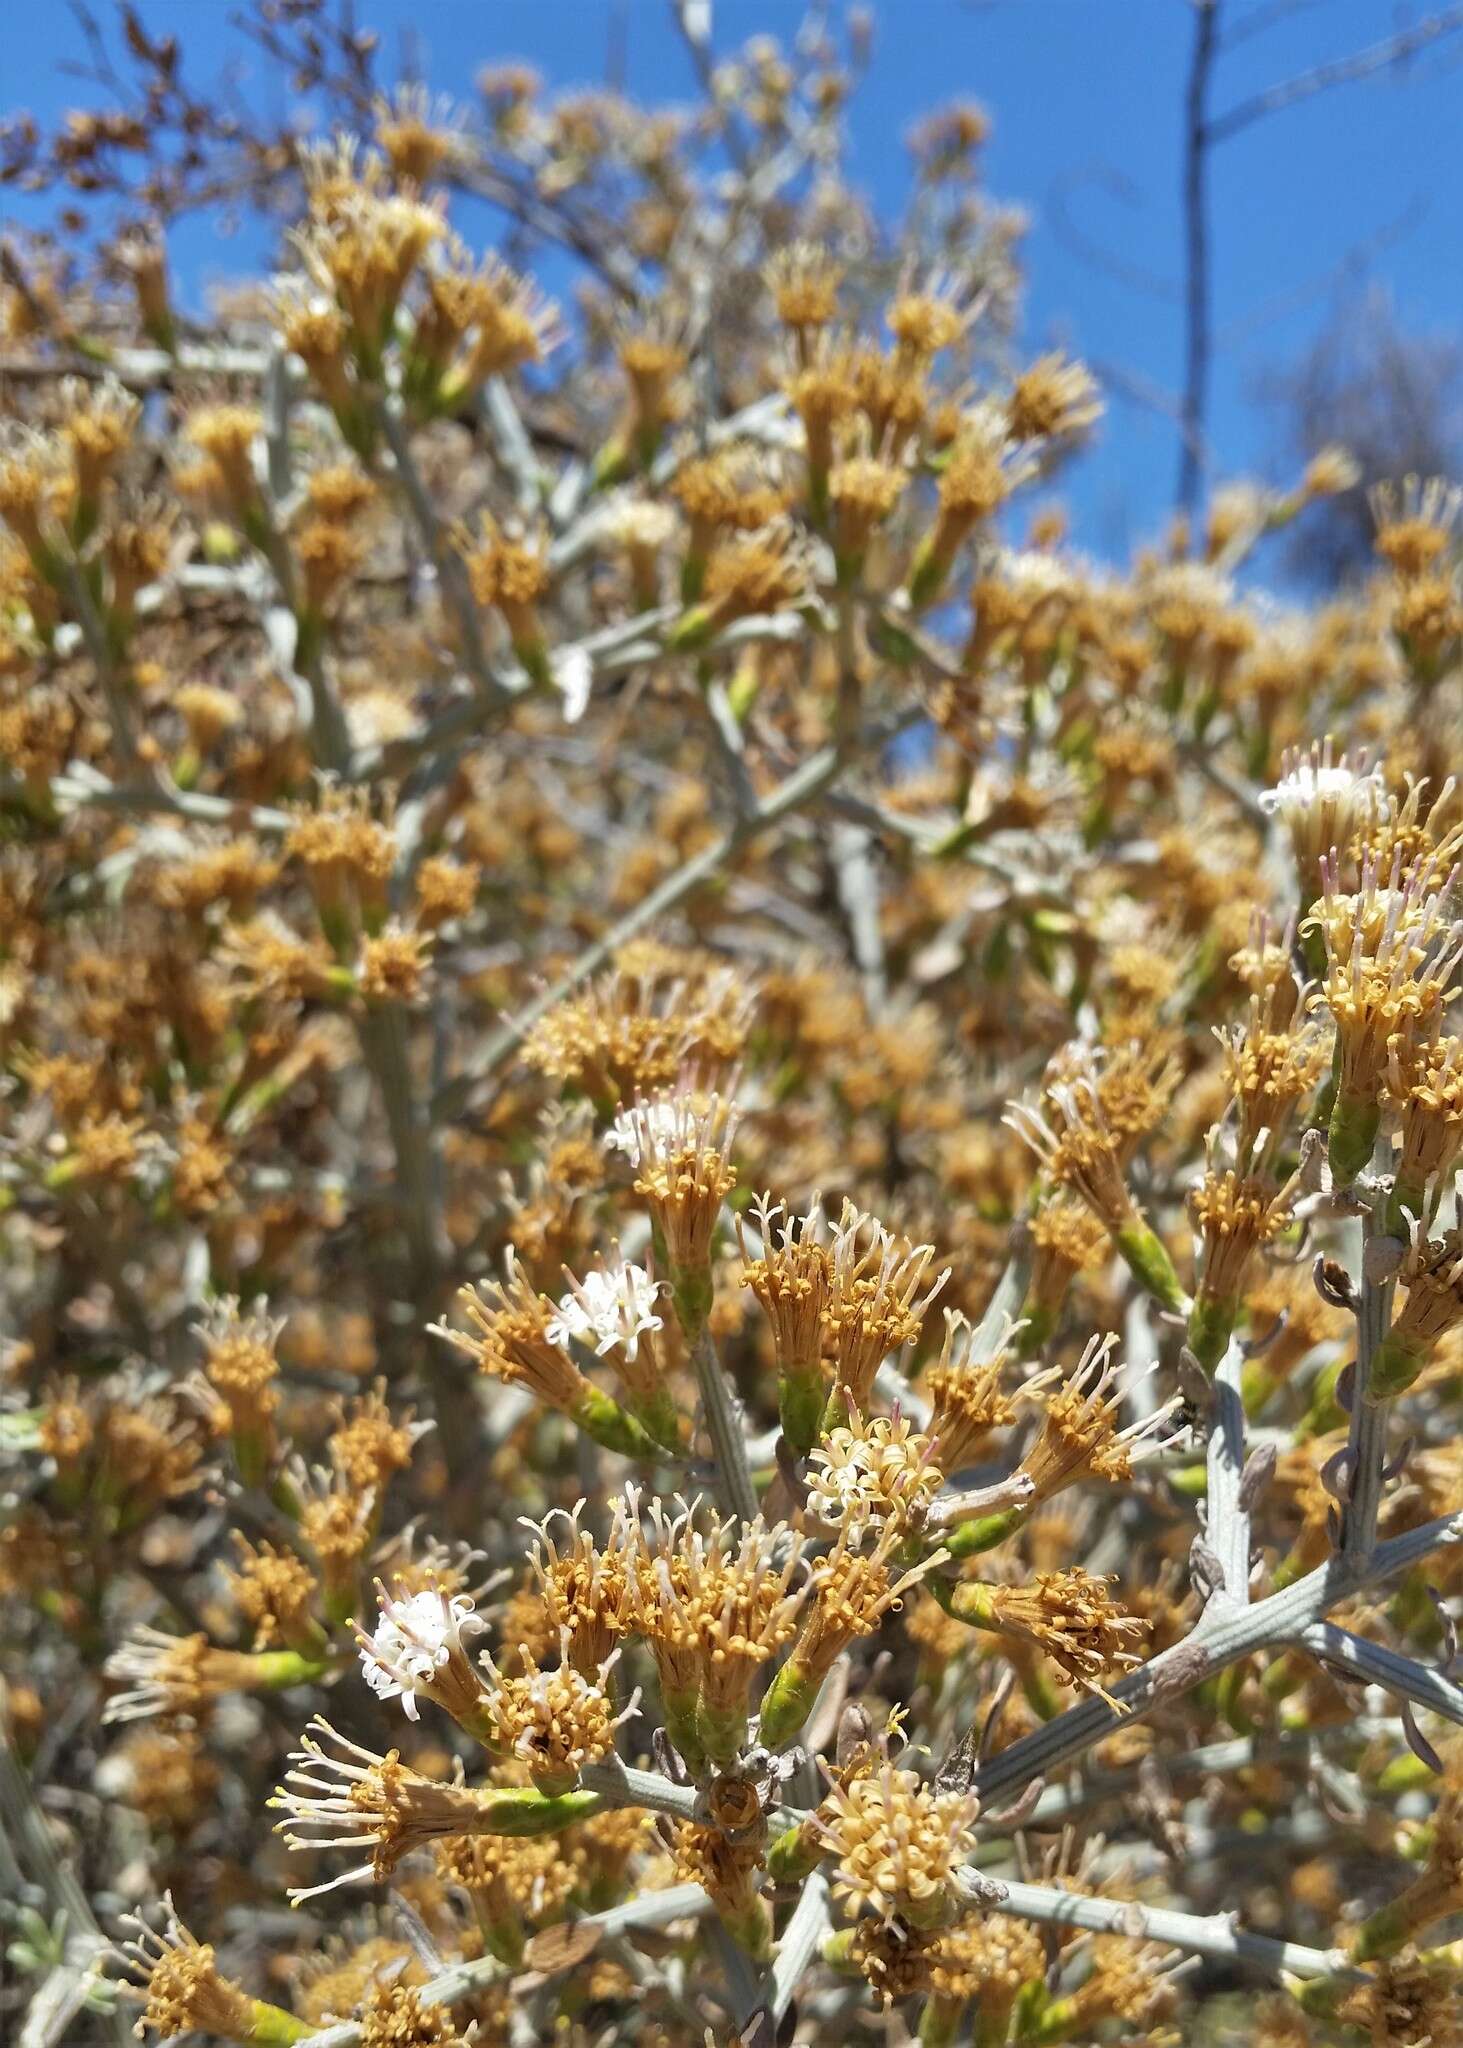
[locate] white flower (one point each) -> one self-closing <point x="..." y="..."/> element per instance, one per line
<point x="871" y="1472"/>
<point x="573" y="677"/>
<point x="612" y="1305"/>
<point x="415" y="1638"/>
<point x="1317" y="778"/>
<point x="646" y="1126"/>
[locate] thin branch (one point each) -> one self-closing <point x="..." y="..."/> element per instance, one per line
<point x="800" y="789"/>
<point x="1212" y="1759"/>
<point x="1211" y="1935"/>
<point x="1290" y="92"/>
<point x="23" y="1827"/>
<point x="650" y="1909"/>
<point x="1227" y="1523"/>
<point x="723" y="1417"/>
<point x="1196" y="254"/>
<point x="802" y="1939"/>
<point x="1372" y="1664"/>
<point x="447" y="562"/>
<point x="620" y="1785"/>
<point x="1367" y="1442"/>
<point x="1232" y="1635"/>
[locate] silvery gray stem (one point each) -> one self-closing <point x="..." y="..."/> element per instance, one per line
<point x="1219" y="1640"/>
<point x="1227" y="1520"/>
<point x="1367" y="1442"/>
<point x="723" y="1414"/>
<point x="651" y="1909"/>
<point x="1372" y="1664"/>
<point x="1208" y="1935"/>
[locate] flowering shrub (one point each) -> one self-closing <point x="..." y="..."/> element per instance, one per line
<point x="728" y="1204"/>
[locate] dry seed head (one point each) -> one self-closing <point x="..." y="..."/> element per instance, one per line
<point x="1432" y="1272"/>
<point x="756" y="574"/>
<point x="510" y="1338"/>
<point x="1080" y="1437"/>
<point x="556" y="1721"/>
<point x="274" y="1591"/>
<point x="792" y="1279"/>
<point x="1411" y="2000"/>
<point x="804" y="280"/>
<point x="1054" y="398"/>
<point x="725" y="1869"/>
<point x="1071" y="1617"/>
<point x="172" y="1675"/>
<point x="966" y="1398"/>
<point x="342" y="1796"/>
<point x="586" y="1589"/>
<point x="715" y="1599"/>
<point x="1416" y="523"/>
<point x="179" y="1981"/>
<point x="879" y="1296"/>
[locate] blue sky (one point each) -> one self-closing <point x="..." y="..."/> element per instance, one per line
<point x="1086" y="97"/>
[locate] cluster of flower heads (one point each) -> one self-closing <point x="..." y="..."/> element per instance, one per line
<point x="629" y="1308"/>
